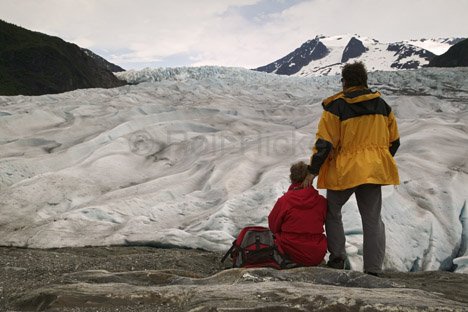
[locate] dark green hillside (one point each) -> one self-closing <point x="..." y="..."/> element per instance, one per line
<point x="103" y="62"/>
<point x="32" y="63"/>
<point x="456" y="56"/>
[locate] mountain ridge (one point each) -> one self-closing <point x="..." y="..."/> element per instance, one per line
<point x="103" y="62"/>
<point x="335" y="51"/>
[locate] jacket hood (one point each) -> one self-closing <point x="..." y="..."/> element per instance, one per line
<point x="353" y="95"/>
<point x="302" y="198"/>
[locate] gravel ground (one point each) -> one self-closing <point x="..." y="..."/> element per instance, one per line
<point x="22" y="269"/>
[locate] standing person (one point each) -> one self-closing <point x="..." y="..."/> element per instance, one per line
<point x="297" y="221"/>
<point x="356" y="140"/>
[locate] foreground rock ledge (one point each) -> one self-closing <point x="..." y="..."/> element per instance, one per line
<point x="301" y="289"/>
<point x="144" y="279"/>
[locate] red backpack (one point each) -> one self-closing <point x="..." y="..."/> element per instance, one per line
<point x="255" y="247"/>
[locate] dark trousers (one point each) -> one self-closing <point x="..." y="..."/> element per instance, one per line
<point x="369" y="201"/>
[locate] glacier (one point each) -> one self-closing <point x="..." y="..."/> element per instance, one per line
<point x="188" y="156"/>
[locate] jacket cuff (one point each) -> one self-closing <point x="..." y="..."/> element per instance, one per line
<point x="312" y="170"/>
<point x="323" y="148"/>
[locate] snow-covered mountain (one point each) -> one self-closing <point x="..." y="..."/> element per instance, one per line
<point x="327" y="55"/>
<point x="437" y="46"/>
<point x="189" y="156"/>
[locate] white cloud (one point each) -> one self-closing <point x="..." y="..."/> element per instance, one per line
<point x="385" y="20"/>
<point x="247" y="33"/>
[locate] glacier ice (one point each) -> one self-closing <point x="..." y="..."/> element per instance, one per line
<point x="188" y="156"/>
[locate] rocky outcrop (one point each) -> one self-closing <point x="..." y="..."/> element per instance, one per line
<point x="301" y="289"/>
<point x="32" y="63"/>
<point x="456" y="56"/>
<point x="151" y="279"/>
<point x="404" y="51"/>
<point x="353" y="49"/>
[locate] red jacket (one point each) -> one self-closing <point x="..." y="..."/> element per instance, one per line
<point x="297" y="221"/>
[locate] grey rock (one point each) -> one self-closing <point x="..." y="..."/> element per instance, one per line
<point x="303" y="289"/>
<point x="154" y="279"/>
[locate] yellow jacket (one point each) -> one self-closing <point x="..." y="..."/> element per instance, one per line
<point x="356" y="139"/>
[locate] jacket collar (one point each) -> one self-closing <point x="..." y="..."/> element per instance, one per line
<point x="353" y="95"/>
<point x="295" y="186"/>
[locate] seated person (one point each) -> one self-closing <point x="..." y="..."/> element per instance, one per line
<point x="297" y="221"/>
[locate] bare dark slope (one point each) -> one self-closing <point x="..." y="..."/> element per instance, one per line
<point x="32" y="63"/>
<point x="456" y="56"/>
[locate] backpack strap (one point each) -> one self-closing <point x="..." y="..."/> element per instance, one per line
<point x="229" y="251"/>
<point x="284" y="261"/>
<point x="257" y="241"/>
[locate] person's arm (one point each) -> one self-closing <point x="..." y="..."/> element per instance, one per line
<point x="319" y="154"/>
<point x="327" y="137"/>
<point x="275" y="219"/>
<point x="394" y="135"/>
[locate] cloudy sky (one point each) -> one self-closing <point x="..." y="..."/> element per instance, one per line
<point x="245" y="33"/>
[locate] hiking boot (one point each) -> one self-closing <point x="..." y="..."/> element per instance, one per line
<point x="373" y="274"/>
<point x="336" y="263"/>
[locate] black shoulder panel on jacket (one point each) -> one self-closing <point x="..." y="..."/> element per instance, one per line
<point x="346" y="111"/>
<point x="334" y="107"/>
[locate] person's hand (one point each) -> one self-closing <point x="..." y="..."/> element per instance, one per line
<point x="309" y="179"/>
